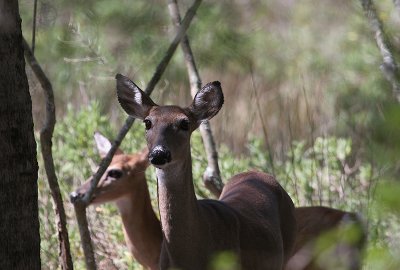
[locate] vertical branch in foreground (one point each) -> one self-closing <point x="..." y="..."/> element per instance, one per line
<point x="389" y="65"/>
<point x="46" y="134"/>
<point x="212" y="176"/>
<point x="81" y="203"/>
<point x="80" y="213"/>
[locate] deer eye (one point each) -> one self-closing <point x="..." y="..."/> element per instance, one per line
<point x="147" y="123"/>
<point x="184" y="124"/>
<point x="115" y="173"/>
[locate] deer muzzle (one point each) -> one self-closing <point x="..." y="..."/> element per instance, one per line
<point x="159" y="155"/>
<point x="74" y="196"/>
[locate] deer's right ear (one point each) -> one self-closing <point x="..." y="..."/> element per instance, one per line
<point x="132" y="99"/>
<point x="104" y="145"/>
<point x="208" y="101"/>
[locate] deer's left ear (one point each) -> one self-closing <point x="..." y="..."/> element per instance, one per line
<point x="208" y="101"/>
<point x="133" y="100"/>
<point x="104" y="145"/>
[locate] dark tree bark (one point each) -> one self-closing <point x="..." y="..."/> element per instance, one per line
<point x="19" y="220"/>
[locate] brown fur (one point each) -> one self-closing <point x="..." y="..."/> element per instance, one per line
<point x="254" y="217"/>
<point x="315" y="222"/>
<point x="142" y="229"/>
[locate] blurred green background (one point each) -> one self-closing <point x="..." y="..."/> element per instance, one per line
<point x="304" y="99"/>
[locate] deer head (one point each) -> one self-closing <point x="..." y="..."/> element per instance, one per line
<point x="168" y="134"/>
<point x="121" y="177"/>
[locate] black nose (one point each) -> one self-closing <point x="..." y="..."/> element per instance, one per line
<point x="74" y="196"/>
<point x="160" y="155"/>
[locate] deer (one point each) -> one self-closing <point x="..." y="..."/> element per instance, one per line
<point x="124" y="182"/>
<point x="327" y="238"/>
<point x="253" y="217"/>
<point x="127" y="179"/>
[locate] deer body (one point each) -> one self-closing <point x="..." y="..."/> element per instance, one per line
<point x="253" y="217"/>
<point x="261" y="243"/>
<point x="189" y="225"/>
<point x="195" y="230"/>
<point x="124" y="183"/>
<point x="342" y="250"/>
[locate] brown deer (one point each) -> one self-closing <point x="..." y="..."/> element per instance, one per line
<point x="326" y="239"/>
<point x="144" y="242"/>
<point x="124" y="183"/>
<point x="254" y="215"/>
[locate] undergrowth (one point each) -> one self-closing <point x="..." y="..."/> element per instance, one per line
<point x="324" y="173"/>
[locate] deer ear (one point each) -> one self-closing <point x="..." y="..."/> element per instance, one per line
<point x="132" y="99"/>
<point x="208" y="101"/>
<point x="143" y="157"/>
<point x="104" y="145"/>
<point x="144" y="154"/>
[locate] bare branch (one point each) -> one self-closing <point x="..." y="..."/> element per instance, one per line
<point x="46" y="135"/>
<point x="212" y="176"/>
<point x="389" y="65"/>
<point x="80" y="213"/>
<point x="34" y="27"/>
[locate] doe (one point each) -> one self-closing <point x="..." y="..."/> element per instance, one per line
<point x="254" y="216"/>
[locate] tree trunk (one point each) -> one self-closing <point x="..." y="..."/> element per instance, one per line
<point x="19" y="221"/>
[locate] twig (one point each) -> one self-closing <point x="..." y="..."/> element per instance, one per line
<point x="46" y="134"/>
<point x="212" y="175"/>
<point x="264" y="128"/>
<point x="83" y="229"/>
<point x="34" y="27"/>
<point x="292" y="152"/>
<point x="389" y="65"/>
<point x="311" y="122"/>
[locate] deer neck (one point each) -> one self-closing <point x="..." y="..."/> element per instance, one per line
<point x="178" y="206"/>
<point x="142" y="229"/>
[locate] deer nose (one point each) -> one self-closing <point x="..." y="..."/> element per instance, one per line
<point x="160" y="155"/>
<point x="74" y="196"/>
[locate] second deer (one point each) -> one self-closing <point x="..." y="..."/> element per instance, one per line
<point x="124" y="183"/>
